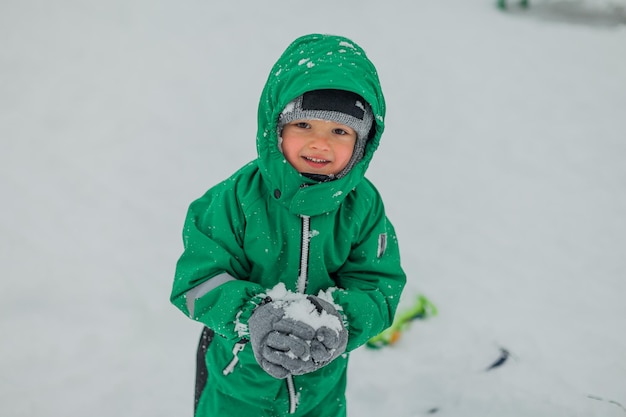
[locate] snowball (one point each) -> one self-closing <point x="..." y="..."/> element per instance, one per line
<point x="298" y="307"/>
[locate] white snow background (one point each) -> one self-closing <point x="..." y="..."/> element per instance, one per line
<point x="503" y="168"/>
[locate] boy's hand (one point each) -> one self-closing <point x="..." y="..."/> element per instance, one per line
<point x="260" y="325"/>
<point x="284" y="346"/>
<point x="289" y="346"/>
<point x="322" y="345"/>
<point x="328" y="343"/>
<point x="281" y="346"/>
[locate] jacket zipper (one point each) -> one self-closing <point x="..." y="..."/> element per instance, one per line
<point x="304" y="254"/>
<point x="293" y="398"/>
<point x="236" y="349"/>
<point x="301" y="287"/>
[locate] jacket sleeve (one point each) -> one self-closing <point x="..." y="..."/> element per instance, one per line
<point x="211" y="281"/>
<point x="371" y="281"/>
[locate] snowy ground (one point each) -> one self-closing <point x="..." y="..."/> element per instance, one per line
<point x="502" y="169"/>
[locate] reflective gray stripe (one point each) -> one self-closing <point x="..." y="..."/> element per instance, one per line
<point x="200" y="290"/>
<point x="382" y="244"/>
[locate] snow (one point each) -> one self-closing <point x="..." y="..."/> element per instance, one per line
<point x="297" y="307"/>
<point x="502" y="169"/>
<point x="304" y="312"/>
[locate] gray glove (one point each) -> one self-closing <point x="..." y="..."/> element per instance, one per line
<point x="324" y="344"/>
<point x="279" y="344"/>
<point x="283" y="346"/>
<point x="328" y="343"/>
<point x="289" y="346"/>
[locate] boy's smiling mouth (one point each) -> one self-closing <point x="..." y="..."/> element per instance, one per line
<point x="316" y="162"/>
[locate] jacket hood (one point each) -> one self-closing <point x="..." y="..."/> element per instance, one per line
<point x="315" y="62"/>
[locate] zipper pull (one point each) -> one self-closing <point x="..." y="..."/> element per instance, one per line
<point x="239" y="346"/>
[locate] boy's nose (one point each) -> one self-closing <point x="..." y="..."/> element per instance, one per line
<point x="320" y="141"/>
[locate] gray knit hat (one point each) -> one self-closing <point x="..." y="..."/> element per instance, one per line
<point x="339" y="106"/>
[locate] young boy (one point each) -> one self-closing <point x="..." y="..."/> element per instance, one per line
<point x="291" y="262"/>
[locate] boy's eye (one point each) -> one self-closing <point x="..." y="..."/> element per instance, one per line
<point x="302" y="125"/>
<point x="340" y="131"/>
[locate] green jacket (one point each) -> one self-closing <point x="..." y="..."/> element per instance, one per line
<point x="268" y="224"/>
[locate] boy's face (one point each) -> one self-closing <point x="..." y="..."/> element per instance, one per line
<point x="318" y="146"/>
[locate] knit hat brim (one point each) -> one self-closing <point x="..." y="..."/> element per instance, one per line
<point x="338" y="106"/>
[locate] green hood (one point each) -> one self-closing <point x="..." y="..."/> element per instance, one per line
<point x="314" y="62"/>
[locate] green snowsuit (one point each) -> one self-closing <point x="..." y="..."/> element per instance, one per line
<point x="268" y="224"/>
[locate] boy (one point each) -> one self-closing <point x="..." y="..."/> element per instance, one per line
<point x="291" y="262"/>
